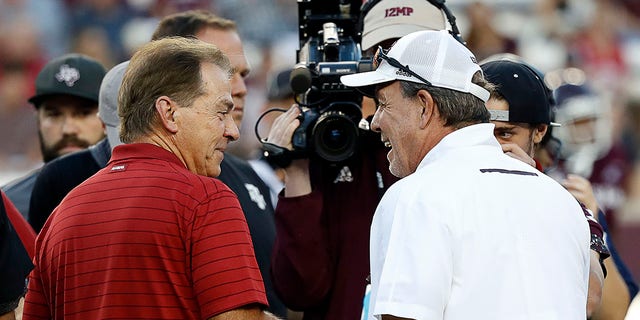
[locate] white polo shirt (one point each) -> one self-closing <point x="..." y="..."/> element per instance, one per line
<point x="476" y="234"/>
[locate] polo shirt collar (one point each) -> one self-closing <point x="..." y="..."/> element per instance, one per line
<point x="473" y="135"/>
<point x="143" y="151"/>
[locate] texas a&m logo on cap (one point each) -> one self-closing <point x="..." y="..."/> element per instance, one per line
<point x="68" y="75"/>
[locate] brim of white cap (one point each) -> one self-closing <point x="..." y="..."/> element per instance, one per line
<point x="113" y="135"/>
<point x="375" y="36"/>
<point x="366" y="79"/>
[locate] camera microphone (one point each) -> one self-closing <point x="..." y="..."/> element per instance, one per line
<point x="300" y="79"/>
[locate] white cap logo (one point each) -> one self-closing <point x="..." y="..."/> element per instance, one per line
<point x="68" y="74"/>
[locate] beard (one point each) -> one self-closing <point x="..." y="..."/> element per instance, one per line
<point x="531" y="145"/>
<point x="51" y="152"/>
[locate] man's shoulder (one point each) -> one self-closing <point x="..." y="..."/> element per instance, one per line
<point x="21" y="184"/>
<point x="19" y="191"/>
<point x="71" y="161"/>
<point x="180" y="175"/>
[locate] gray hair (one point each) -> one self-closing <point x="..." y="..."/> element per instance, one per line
<point x="458" y="109"/>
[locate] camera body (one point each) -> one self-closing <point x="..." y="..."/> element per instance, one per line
<point x="329" y="49"/>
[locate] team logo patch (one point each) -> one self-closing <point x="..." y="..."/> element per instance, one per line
<point x="68" y="75"/>
<point x="256" y="196"/>
<point x="344" y="175"/>
<point x="118" y="168"/>
<point x="403" y="73"/>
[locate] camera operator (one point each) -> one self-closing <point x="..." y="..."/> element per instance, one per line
<point x="320" y="261"/>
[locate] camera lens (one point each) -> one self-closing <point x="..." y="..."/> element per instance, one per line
<point x="335" y="136"/>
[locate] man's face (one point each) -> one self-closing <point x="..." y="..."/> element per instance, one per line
<point x="523" y="135"/>
<point x="207" y="126"/>
<point x="397" y="119"/>
<point x="67" y="124"/>
<point x="229" y="43"/>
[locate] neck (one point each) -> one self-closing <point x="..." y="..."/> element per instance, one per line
<point x="432" y="138"/>
<point x="164" y="141"/>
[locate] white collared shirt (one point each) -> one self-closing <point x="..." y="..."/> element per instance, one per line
<point x="476" y="234"/>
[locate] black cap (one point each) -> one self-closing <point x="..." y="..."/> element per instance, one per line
<point x="569" y="91"/>
<point x="522" y="88"/>
<point x="72" y="74"/>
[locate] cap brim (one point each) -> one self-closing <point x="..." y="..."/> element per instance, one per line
<point x="113" y="135"/>
<point x="365" y="79"/>
<point x="37" y="99"/>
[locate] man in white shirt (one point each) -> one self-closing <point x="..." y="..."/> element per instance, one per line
<point x="458" y="237"/>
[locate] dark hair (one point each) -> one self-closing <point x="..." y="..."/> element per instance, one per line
<point x="458" y="109"/>
<point x="188" y="23"/>
<point x="166" y="67"/>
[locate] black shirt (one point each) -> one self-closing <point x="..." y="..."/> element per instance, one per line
<point x="61" y="175"/>
<point x="255" y="200"/>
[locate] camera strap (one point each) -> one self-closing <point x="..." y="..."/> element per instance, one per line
<point x="278" y="156"/>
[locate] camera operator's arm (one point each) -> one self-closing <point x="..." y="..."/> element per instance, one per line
<point x="301" y="266"/>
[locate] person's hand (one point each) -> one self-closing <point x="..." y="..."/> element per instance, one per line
<point x="297" y="181"/>
<point x="514" y="151"/>
<point x="582" y="190"/>
<point x="283" y="127"/>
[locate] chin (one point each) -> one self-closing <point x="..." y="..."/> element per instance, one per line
<point x="394" y="171"/>
<point x="213" y="172"/>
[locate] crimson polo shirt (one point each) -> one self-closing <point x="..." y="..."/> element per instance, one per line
<point x="144" y="238"/>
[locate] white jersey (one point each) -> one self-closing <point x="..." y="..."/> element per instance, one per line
<point x="476" y="234"/>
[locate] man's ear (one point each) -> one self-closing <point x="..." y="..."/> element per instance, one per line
<point x="540" y="132"/>
<point x="165" y="107"/>
<point x="427" y="108"/>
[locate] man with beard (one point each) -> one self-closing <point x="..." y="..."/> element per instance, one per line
<point x="66" y="103"/>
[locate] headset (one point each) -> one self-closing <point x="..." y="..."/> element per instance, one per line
<point x="366" y="7"/>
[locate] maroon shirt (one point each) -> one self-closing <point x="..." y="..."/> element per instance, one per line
<point x="320" y="261"/>
<point x="609" y="180"/>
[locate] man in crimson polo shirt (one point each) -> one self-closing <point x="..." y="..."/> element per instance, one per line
<point x="237" y="173"/>
<point x="153" y="235"/>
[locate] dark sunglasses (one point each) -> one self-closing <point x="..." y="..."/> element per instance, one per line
<point x="381" y="54"/>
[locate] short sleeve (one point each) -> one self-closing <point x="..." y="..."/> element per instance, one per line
<point x="224" y="268"/>
<point x="417" y="268"/>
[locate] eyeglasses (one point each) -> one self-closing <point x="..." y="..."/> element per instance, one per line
<point x="381" y="54"/>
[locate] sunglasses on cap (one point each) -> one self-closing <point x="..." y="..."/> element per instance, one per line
<point x="381" y="54"/>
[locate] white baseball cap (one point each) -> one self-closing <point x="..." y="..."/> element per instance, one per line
<point x="396" y="19"/>
<point x="435" y="56"/>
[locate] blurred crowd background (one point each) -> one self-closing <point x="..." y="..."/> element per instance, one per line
<point x="599" y="37"/>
